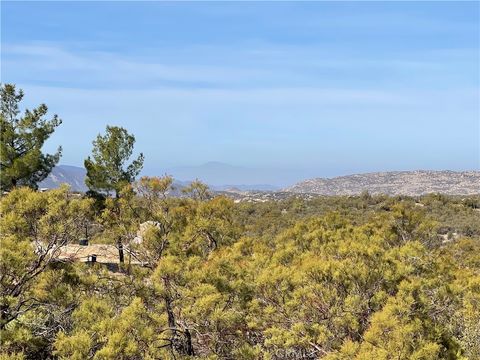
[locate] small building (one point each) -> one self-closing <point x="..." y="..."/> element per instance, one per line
<point x="104" y="254"/>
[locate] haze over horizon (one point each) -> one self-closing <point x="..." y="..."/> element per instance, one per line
<point x="287" y="90"/>
<point x="221" y="176"/>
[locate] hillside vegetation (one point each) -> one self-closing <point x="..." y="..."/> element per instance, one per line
<point x="333" y="278"/>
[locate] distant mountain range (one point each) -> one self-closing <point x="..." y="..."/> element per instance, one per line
<point x="411" y="183"/>
<point x="75" y="177"/>
<point x="221" y="176"/>
<point x="71" y="175"/>
<point x="391" y="183"/>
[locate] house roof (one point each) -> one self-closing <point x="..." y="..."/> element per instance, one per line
<point x="106" y="254"/>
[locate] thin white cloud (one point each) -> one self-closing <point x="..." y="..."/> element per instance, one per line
<point x="108" y="67"/>
<point x="255" y="66"/>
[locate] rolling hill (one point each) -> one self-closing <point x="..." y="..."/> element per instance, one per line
<point x="71" y="175"/>
<point x="411" y="183"/>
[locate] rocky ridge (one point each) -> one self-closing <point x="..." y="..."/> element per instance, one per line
<point x="412" y="183"/>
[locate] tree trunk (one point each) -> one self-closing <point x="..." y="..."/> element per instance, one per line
<point x="120" y="252"/>
<point x="189" y="347"/>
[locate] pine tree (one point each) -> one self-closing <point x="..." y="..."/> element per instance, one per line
<point x="21" y="140"/>
<point x="107" y="170"/>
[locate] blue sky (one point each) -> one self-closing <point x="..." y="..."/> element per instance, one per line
<point x="305" y="88"/>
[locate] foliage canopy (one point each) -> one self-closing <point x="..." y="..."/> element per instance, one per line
<point x="21" y="140"/>
<point x="369" y="277"/>
<point x="107" y="169"/>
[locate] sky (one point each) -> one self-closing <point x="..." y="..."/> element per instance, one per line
<point x="296" y="89"/>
